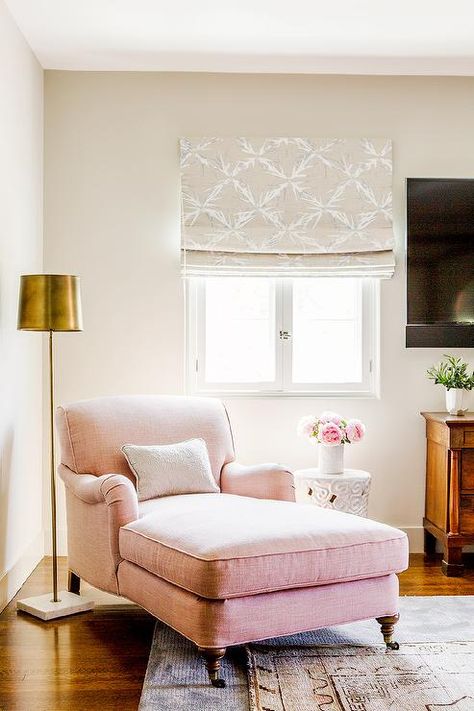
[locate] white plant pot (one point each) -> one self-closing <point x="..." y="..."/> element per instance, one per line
<point x="331" y="459"/>
<point x="455" y="401"/>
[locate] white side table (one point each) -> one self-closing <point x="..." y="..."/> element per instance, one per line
<point x="347" y="492"/>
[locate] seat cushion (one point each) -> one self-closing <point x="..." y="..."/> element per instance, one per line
<point x="221" y="546"/>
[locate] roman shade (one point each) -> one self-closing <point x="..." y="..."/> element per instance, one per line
<point x="287" y="207"/>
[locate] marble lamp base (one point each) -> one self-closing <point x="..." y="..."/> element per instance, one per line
<point x="42" y="606"/>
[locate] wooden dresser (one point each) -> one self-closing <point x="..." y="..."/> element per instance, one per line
<point x="449" y="507"/>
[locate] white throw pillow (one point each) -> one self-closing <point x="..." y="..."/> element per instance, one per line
<point x="168" y="469"/>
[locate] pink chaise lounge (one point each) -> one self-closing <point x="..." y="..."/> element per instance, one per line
<point x="222" y="569"/>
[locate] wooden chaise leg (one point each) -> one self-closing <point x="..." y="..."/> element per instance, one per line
<point x="387" y="625"/>
<point x="73" y="583"/>
<point x="212" y="657"/>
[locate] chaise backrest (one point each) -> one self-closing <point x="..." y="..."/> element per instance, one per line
<point x="92" y="432"/>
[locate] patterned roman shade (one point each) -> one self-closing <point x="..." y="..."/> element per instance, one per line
<point x="287" y="207"/>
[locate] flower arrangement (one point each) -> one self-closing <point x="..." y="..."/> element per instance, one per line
<point x="331" y="429"/>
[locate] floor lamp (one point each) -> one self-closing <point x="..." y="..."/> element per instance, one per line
<point x="51" y="302"/>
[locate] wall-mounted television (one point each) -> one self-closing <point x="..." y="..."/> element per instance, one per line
<point x="440" y="262"/>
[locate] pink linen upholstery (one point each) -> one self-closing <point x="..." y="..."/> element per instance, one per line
<point x="261" y="481"/>
<point x="221" y="623"/>
<point x="96" y="509"/>
<point x="91" y="432"/>
<point x="244" y="564"/>
<point x="203" y="543"/>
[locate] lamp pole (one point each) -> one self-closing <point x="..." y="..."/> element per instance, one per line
<point x="53" y="473"/>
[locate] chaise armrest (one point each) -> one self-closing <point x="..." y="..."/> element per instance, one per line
<point x="115" y="490"/>
<point x="261" y="481"/>
<point x="97" y="508"/>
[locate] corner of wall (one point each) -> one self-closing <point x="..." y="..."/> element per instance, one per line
<point x="14" y="578"/>
<point x="21" y="251"/>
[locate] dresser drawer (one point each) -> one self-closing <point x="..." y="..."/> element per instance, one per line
<point x="466" y="514"/>
<point x="469" y="437"/>
<point x="467" y="470"/>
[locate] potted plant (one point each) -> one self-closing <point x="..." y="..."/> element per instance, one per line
<point x="453" y="374"/>
<point x="331" y="432"/>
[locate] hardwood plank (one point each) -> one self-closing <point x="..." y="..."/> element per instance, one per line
<point x="424" y="577"/>
<point x="94" y="660"/>
<point x="97" y="660"/>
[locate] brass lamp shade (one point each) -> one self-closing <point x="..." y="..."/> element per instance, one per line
<point x="49" y="302"/>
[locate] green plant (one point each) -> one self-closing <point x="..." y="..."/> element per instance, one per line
<point x="452" y="373"/>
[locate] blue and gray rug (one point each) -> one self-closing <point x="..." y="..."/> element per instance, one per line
<point x="300" y="672"/>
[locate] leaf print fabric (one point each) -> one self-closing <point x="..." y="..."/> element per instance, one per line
<point x="287" y="206"/>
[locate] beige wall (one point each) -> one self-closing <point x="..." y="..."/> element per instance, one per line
<point x="112" y="216"/>
<point x="21" y="149"/>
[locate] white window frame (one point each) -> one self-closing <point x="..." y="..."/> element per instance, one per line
<point x="282" y="386"/>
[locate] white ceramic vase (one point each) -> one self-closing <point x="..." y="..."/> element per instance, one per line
<point x="331" y="459"/>
<point x="455" y="401"/>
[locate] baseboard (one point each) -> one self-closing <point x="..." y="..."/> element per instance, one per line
<point x="415" y="537"/>
<point x="13" y="579"/>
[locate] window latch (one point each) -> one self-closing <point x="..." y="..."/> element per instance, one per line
<point x="285" y="336"/>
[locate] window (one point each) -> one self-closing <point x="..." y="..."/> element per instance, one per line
<point x="282" y="336"/>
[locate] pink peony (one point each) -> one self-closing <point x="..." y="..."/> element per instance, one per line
<point x="329" y="416"/>
<point x="306" y="426"/>
<point x="355" y="430"/>
<point x="330" y="434"/>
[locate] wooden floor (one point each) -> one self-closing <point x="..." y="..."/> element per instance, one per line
<point x="97" y="660"/>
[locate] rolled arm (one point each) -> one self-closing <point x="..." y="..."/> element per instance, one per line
<point x="261" y="481"/>
<point x="115" y="490"/>
<point x="97" y="507"/>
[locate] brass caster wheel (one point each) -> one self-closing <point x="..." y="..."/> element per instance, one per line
<point x="213" y="656"/>
<point x="387" y="623"/>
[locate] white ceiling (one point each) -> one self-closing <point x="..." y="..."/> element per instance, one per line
<point x="301" y="36"/>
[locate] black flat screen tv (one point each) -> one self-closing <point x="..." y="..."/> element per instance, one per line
<point x="440" y="262"/>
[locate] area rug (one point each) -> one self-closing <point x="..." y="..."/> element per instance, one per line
<point x="420" y="677"/>
<point x="343" y="668"/>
